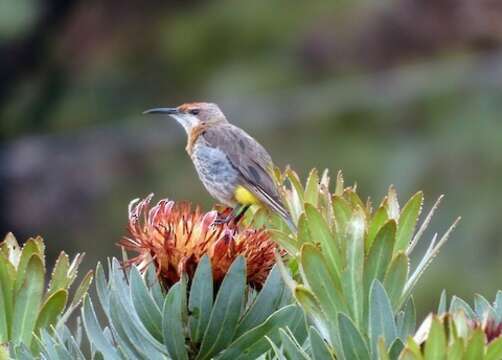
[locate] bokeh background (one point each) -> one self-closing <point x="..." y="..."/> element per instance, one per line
<point x="404" y="92"/>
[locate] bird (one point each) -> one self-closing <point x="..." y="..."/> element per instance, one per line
<point x="234" y="168"/>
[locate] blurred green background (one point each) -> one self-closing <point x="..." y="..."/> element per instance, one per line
<point x="404" y="92"/>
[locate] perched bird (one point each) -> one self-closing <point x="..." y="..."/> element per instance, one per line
<point x="234" y="168"/>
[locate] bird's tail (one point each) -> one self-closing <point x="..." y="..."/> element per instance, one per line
<point x="285" y="215"/>
<point x="276" y="206"/>
<point x="289" y="221"/>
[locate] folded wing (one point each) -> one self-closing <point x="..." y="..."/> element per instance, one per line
<point x="253" y="163"/>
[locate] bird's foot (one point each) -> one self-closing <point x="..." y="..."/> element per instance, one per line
<point x="226" y="219"/>
<point x="230" y="219"/>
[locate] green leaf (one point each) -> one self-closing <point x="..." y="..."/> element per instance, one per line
<point x="483" y="308"/>
<point x="30" y="248"/>
<point x="494" y="350"/>
<point x="392" y="204"/>
<point x="308" y="302"/>
<point x="354" y="199"/>
<point x="326" y="199"/>
<point x="131" y="333"/>
<point x="475" y="346"/>
<point x="10" y="248"/>
<point x="456" y="349"/>
<point x="276" y="222"/>
<point x="28" y="300"/>
<point x="299" y="329"/>
<point x="172" y="324"/>
<point x="296" y="183"/>
<point x="396" y="348"/>
<point x="462" y="324"/>
<point x="316" y="274"/>
<point x="102" y="288"/>
<point x="275" y="349"/>
<point x="442" y="303"/>
<point x="406" y="326"/>
<point x="459" y="304"/>
<point x="285" y="272"/>
<point x="381" y="317"/>
<point x="395" y="279"/>
<point x="4" y="324"/>
<point x="353" y="275"/>
<point x="342" y="212"/>
<point x="81" y="291"/>
<point x="408" y="221"/>
<point x="7" y="278"/>
<point x="129" y="327"/>
<point x="379" y="256"/>
<point x="320" y="232"/>
<point x="498" y="305"/>
<point x="45" y="344"/>
<point x="22" y="352"/>
<point x="93" y="330"/>
<point x="353" y="345"/>
<point x="435" y="346"/>
<point x="295" y="201"/>
<point x="260" y="218"/>
<point x="284" y="240"/>
<point x="426" y="260"/>
<point x="39" y="242"/>
<point x="303" y="235"/>
<point x="377" y="222"/>
<point x="253" y="343"/>
<point x="383" y="354"/>
<point x="73" y="270"/>
<point x="147" y="308"/>
<point x="339" y="187"/>
<point x="319" y="347"/>
<point x="154" y="285"/>
<point x="291" y="348"/>
<point x="59" y="278"/>
<point x="267" y="301"/>
<point x="226" y="311"/>
<point x="4" y="350"/>
<point x="118" y="281"/>
<point x="200" y="301"/>
<point x="312" y="188"/>
<point x="65" y="337"/>
<point x="51" y="310"/>
<point x="411" y="351"/>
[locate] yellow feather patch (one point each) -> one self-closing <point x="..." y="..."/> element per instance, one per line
<point x="244" y="196"/>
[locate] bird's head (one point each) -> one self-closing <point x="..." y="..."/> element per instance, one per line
<point x="191" y="115"/>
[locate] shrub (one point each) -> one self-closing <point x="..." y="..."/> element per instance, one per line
<point x="26" y="307"/>
<point x="341" y="288"/>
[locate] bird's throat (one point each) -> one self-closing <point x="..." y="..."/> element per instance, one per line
<point x="193" y="136"/>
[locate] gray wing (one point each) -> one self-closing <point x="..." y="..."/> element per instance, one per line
<point x="252" y="161"/>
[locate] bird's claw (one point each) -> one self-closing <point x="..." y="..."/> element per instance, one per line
<point x="232" y="218"/>
<point x="221" y="220"/>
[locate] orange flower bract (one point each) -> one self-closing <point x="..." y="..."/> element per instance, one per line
<point x="175" y="237"/>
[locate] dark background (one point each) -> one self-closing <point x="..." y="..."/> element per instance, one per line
<point x="407" y="92"/>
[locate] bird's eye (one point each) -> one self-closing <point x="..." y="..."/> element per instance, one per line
<point x="194" y="112"/>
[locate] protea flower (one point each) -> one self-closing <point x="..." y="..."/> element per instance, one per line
<point x="459" y="331"/>
<point x="175" y="237"/>
<point x="484" y="316"/>
<point x="490" y="326"/>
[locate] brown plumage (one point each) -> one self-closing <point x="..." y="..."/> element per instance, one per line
<point x="252" y="161"/>
<point x="234" y="167"/>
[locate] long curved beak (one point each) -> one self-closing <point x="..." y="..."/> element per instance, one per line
<point x="167" y="111"/>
